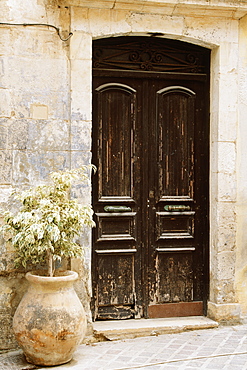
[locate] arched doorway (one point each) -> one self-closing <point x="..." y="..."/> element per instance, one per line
<point x="150" y="194"/>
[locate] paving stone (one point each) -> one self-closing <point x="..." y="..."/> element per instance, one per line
<point x="222" y="348"/>
<point x="15" y="361"/>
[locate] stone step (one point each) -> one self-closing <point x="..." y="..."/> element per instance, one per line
<point x="128" y="329"/>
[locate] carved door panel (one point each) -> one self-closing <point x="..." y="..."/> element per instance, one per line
<point x="150" y="193"/>
<point x="178" y="204"/>
<point x="116" y="198"/>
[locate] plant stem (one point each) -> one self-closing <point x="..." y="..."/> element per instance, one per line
<point x="50" y="263"/>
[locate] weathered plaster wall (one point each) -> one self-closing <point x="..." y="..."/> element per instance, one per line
<point x="37" y="134"/>
<point x="45" y="122"/>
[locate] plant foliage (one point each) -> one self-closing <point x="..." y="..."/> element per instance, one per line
<point x="48" y="221"/>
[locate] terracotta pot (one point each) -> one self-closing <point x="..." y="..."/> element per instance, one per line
<point x="50" y="321"/>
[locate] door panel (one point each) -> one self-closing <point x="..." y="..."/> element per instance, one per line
<point x="175" y="277"/>
<point x="116" y="125"/>
<point x="150" y="194"/>
<point x="115" y="199"/>
<point x="115" y="285"/>
<point x="175" y="114"/>
<point x="174" y="248"/>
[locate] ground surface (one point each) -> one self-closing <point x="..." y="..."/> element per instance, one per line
<point x="218" y="348"/>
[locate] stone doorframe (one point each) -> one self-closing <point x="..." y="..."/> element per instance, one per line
<point x="228" y="64"/>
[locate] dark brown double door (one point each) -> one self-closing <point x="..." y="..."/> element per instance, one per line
<point x="150" y="194"/>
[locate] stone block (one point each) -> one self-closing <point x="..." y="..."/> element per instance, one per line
<point x="81" y="46"/>
<point x="228" y="90"/>
<point x="40" y="75"/>
<point x="3" y="135"/>
<point x="120" y="20"/>
<point x="82" y="191"/>
<point x="82" y="287"/>
<point x="81" y="135"/>
<point x="81" y="106"/>
<point x="19" y="105"/>
<point x="80" y="158"/>
<point x="5" y="102"/>
<point x="228" y="53"/>
<point x="170" y="26"/>
<point x="4" y="9"/>
<point x="57" y="102"/>
<point x="227" y="157"/>
<point x="214" y="147"/>
<point x="227" y="187"/>
<point x="226" y="236"/>
<point x="5" y="167"/>
<point x="12" y="289"/>
<point x="215" y="91"/>
<point x="18" y="131"/>
<point x="100" y="22"/>
<point x="226" y="225"/>
<point x="7" y="338"/>
<point x="241" y="282"/>
<point x="2" y="66"/>
<point x="226" y="265"/>
<point x="38" y="134"/>
<point x="81" y="89"/>
<point x="228" y="125"/>
<point x="5" y="192"/>
<point x="31" y="167"/>
<point x="24" y="10"/>
<point x="39" y="111"/>
<point x="212" y="29"/>
<point x="229" y="312"/>
<point x="29" y="41"/>
<point x="168" y="9"/>
<point x="48" y="135"/>
<point x="80" y="19"/>
<point x="243" y="86"/>
<point x="242" y="40"/>
<point x="7" y="256"/>
<point x="225" y="292"/>
<point x="81" y="76"/>
<point x="214" y="132"/>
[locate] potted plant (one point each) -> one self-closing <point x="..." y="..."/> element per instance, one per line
<point x="50" y="321"/>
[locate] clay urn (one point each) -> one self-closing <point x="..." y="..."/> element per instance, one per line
<point x="50" y="321"/>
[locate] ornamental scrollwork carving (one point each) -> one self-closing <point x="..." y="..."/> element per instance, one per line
<point x="147" y="54"/>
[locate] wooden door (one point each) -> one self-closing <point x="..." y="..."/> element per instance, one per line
<point x="150" y="193"/>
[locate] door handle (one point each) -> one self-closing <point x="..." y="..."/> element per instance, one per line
<point x="179" y="208"/>
<point x="117" y="209"/>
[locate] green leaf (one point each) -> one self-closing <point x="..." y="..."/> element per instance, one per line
<point x="48" y="219"/>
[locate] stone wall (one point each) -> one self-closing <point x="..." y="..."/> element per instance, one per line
<point x="241" y="240"/>
<point x="37" y="132"/>
<point x="45" y="119"/>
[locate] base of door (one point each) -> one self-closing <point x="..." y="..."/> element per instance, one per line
<point x="180" y="309"/>
<point x="133" y="328"/>
<point x="114" y="312"/>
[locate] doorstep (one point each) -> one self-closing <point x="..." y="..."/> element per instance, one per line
<point x="128" y="329"/>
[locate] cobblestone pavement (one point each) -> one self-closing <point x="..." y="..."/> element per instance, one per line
<point x="219" y="348"/>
